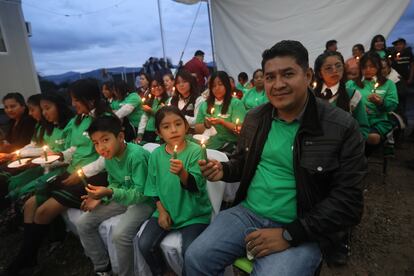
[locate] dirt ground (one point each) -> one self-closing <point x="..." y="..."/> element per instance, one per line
<point x="382" y="244"/>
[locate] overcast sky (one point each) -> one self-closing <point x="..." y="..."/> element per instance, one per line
<point x="79" y="35"/>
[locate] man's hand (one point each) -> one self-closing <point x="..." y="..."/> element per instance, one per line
<point x="164" y="220"/>
<point x="266" y="241"/>
<point x="72" y="179"/>
<point x="375" y="98"/>
<point x="97" y="192"/>
<point x="211" y="169"/>
<point x="88" y="203"/>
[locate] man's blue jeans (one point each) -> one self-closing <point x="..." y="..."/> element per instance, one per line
<point x="223" y="242"/>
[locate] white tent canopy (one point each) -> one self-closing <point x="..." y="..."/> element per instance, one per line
<point x="242" y="29"/>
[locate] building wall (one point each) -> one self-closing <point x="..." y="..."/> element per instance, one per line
<point x="17" y="70"/>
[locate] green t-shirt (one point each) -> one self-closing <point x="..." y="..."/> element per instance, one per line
<point x="235" y="111"/>
<point x="378" y="115"/>
<point x="358" y="112"/>
<point x="127" y="175"/>
<point x="56" y="140"/>
<point x="272" y="192"/>
<point x="252" y="98"/>
<point x="135" y="116"/>
<point x="114" y="105"/>
<point x="156" y="105"/>
<point x="85" y="151"/>
<point x="184" y="207"/>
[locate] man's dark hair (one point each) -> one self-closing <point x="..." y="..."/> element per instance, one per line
<point x="330" y="43"/>
<point x="243" y="76"/>
<point x="287" y="48"/>
<point x="199" y="53"/>
<point x="107" y="123"/>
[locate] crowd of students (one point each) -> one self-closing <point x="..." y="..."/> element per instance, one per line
<point x="99" y="140"/>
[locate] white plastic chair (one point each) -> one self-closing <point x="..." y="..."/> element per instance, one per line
<point x="172" y="243"/>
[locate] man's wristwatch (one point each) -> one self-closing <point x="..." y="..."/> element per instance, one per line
<point x="286" y="235"/>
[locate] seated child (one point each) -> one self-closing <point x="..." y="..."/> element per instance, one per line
<point x="126" y="165"/>
<point x="179" y="190"/>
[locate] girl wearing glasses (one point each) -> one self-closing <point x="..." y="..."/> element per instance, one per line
<point x="330" y="78"/>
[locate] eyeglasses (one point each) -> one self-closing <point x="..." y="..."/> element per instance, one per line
<point x="330" y="68"/>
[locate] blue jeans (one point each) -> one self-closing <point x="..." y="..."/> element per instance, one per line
<point x="223" y="242"/>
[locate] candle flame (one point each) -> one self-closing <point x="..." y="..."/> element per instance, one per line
<point x="237" y="121"/>
<point x="357" y="58"/>
<point x="17" y="152"/>
<point x="45" y="148"/>
<point x="212" y="111"/>
<point x="143" y="100"/>
<point x="389" y="56"/>
<point x="175" y="148"/>
<point x="376" y="85"/>
<point x="80" y="173"/>
<point x="149" y="96"/>
<point x="398" y="54"/>
<point x="314" y="84"/>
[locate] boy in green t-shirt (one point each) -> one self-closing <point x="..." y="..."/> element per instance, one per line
<point x="127" y="166"/>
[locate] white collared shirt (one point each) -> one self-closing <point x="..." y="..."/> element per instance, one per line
<point x="334" y="89"/>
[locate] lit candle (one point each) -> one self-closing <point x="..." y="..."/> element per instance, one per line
<point x="82" y="177"/>
<point x="203" y="150"/>
<point x="237" y="122"/>
<point x="149" y="96"/>
<point x="45" y="152"/>
<point x="18" y="156"/>
<point x="212" y="111"/>
<point x="143" y="100"/>
<point x="398" y="55"/>
<point x="175" y="152"/>
<point x="357" y="58"/>
<point x="375" y="86"/>
<point x="314" y="84"/>
<point x="234" y="94"/>
<point x="389" y="56"/>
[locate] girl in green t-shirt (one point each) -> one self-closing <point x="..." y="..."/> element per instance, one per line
<point x="151" y="103"/>
<point x="56" y="115"/>
<point x="128" y="109"/>
<point x="330" y="78"/>
<point x="379" y="46"/>
<point x="255" y="96"/>
<point x="221" y="111"/>
<point x="379" y="96"/>
<point x="175" y="182"/>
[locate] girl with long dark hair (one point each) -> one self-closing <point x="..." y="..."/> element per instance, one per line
<point x="330" y="78"/>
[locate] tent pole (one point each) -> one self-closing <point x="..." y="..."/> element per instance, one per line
<point x="211" y="35"/>
<point x="161" y="30"/>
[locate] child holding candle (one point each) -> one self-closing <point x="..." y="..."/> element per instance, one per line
<point x="226" y="110"/>
<point x="177" y="186"/>
<point x="379" y="100"/>
<point x="56" y="115"/>
<point x="127" y="168"/>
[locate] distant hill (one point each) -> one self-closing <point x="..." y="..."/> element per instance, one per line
<point x="72" y="76"/>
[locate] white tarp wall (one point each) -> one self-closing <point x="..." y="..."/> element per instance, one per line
<point x="17" y="71"/>
<point x="244" y="28"/>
